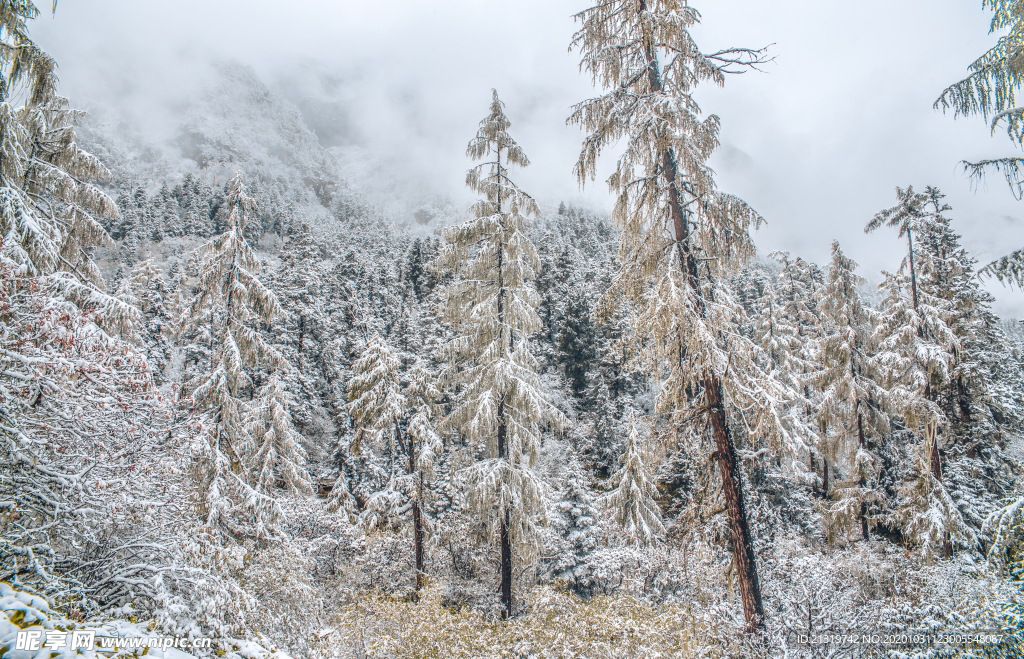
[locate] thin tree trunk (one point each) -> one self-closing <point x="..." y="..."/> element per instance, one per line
<point x="913" y="273"/>
<point x="503" y="531"/>
<point x="750" y="588"/>
<point x="814" y="470"/>
<point x="417" y="519"/>
<point x="963" y="401"/>
<point x="417" y="526"/>
<point x="936" y="467"/>
<point x="934" y="453"/>
<point x="506" y="569"/>
<point x="863" y="504"/>
<point x="824" y="480"/>
<point x="505" y="541"/>
<point x="743" y="548"/>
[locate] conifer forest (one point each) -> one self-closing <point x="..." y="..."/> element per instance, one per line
<point x="242" y="399"/>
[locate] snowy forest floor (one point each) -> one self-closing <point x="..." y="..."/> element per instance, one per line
<point x="678" y="601"/>
<point x="871" y="589"/>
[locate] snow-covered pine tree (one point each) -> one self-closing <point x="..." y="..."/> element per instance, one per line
<point x="915" y="351"/>
<point x="50" y="216"/>
<point x="422" y="449"/>
<point x="679" y="233"/>
<point x="376" y="407"/>
<point x="230" y="297"/>
<point x="990" y="90"/>
<point x="797" y="323"/>
<point x="491" y="306"/>
<point x="633" y="496"/>
<point x="146" y="287"/>
<point x="382" y="408"/>
<point x="907" y="216"/>
<point x="797" y="287"/>
<point x="947" y="273"/>
<point x="279" y="458"/>
<point x="914" y="354"/>
<point x="416" y="271"/>
<point x="576" y="349"/>
<point x="301" y="283"/>
<point x="776" y="333"/>
<point x="849" y="413"/>
<point x="574" y="518"/>
<point x="976" y="398"/>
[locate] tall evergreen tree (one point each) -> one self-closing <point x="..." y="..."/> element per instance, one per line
<point x="491" y="306"/>
<point x="50" y="215"/>
<point x="230" y="297"/>
<point x="907" y="216"/>
<point x="382" y="407"/>
<point x="916" y="348"/>
<point x="797" y="326"/>
<point x="576" y="341"/>
<point x="679" y="233"/>
<point x="279" y="458"/>
<point x="849" y="412"/>
<point x="633" y="496"/>
<point x="575" y="521"/>
<point x="990" y="90"/>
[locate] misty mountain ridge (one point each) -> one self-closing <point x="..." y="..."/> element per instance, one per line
<point x="236" y="123"/>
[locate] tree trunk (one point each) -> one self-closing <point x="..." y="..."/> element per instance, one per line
<point x="503" y="531"/>
<point x="963" y="401"/>
<point x="417" y="519"/>
<point x="505" y="541"/>
<point x="934" y="454"/>
<point x="417" y="531"/>
<point x="936" y="466"/>
<point x="750" y="588"/>
<point x="824" y="480"/>
<point x="913" y="274"/>
<point x="743" y="548"/>
<point x="863" y="504"/>
<point x="506" y="569"/>
<point x="814" y="470"/>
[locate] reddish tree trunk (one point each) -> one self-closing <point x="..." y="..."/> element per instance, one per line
<point x="743" y="548"/>
<point x="750" y="589"/>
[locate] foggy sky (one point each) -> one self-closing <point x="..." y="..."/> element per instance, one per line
<point x="816" y="143"/>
